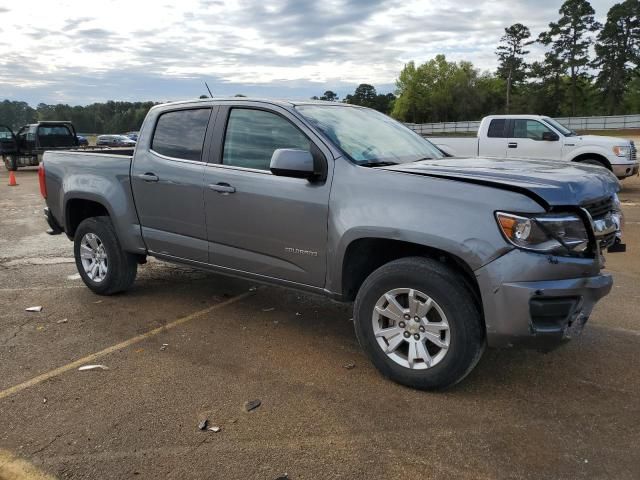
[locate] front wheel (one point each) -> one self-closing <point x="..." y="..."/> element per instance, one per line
<point x="104" y="267"/>
<point x="418" y="323"/>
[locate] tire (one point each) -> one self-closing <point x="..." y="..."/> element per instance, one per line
<point x="10" y="163"/>
<point x="452" y="304"/>
<point x="121" y="267"/>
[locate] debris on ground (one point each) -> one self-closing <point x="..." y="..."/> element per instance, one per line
<point x="64" y="320"/>
<point x="350" y="366"/>
<point x="98" y="301"/>
<point x="139" y="350"/>
<point x="298" y="314"/>
<point x="283" y="477"/>
<point x="252" y="405"/>
<point x="214" y="429"/>
<point x="34" y="309"/>
<point x="40" y="328"/>
<point x="44" y="400"/>
<point x="268" y="309"/>
<point x="233" y="420"/>
<point x="275" y="322"/>
<point x="75" y="276"/>
<point x="253" y="289"/>
<point x="203" y="424"/>
<point x="93" y="367"/>
<point x="164" y="347"/>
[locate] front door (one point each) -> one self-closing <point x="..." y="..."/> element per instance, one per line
<point x="526" y="141"/>
<point x="257" y="222"/>
<point x="166" y="177"/>
<point x="8" y="144"/>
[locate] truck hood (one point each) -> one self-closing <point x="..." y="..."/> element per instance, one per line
<point x="601" y="141"/>
<point x="551" y="183"/>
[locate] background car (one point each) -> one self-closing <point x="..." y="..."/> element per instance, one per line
<point x="82" y="141"/>
<point x="132" y="135"/>
<point x="114" y="141"/>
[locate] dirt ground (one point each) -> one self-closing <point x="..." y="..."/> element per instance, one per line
<point x="183" y="345"/>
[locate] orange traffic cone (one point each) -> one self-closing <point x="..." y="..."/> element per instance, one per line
<point x="12" y="179"/>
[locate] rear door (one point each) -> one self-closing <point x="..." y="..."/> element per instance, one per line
<point x="494" y="144"/>
<point x="258" y="222"/>
<point x="526" y="141"/>
<point x="167" y="180"/>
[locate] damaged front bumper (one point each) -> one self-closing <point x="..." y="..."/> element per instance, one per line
<point x="538" y="300"/>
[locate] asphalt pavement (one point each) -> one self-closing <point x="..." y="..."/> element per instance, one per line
<point x="183" y="346"/>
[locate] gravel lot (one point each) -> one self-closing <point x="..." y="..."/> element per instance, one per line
<point x="183" y="345"/>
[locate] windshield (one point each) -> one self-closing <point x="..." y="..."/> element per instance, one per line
<point x="368" y="137"/>
<point x="558" y="126"/>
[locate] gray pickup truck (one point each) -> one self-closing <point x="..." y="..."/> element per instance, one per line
<point x="440" y="256"/>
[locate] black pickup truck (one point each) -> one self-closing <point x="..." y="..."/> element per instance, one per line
<point x="25" y="148"/>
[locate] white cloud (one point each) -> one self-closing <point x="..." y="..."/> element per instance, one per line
<point x="82" y="51"/>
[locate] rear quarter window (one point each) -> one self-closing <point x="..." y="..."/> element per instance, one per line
<point x="180" y="133"/>
<point x="496" y="128"/>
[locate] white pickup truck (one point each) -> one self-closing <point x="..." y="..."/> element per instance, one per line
<point x="539" y="137"/>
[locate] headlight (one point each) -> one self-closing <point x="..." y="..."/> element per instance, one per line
<point x="622" y="151"/>
<point x="545" y="232"/>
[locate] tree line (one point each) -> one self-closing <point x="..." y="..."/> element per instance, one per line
<point x="568" y="81"/>
<point x="108" y="117"/>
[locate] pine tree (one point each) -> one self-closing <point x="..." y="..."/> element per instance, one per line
<point x="570" y="41"/>
<point x="511" y="52"/>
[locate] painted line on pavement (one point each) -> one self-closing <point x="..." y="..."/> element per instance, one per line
<point x="127" y="343"/>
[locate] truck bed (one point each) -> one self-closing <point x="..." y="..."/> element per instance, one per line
<point x="90" y="174"/>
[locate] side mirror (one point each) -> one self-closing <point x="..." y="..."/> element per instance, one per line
<point x="550" y="137"/>
<point x="291" y="162"/>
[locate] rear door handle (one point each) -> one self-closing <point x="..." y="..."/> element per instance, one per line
<point x="149" y="177"/>
<point x="512" y="145"/>
<point x="222" y="188"/>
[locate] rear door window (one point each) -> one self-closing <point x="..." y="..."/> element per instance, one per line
<point x="180" y="133"/>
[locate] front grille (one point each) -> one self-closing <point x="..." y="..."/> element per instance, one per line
<point x="600" y="208"/>
<point x="633" y="151"/>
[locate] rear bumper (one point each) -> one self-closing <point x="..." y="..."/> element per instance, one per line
<point x="54" y="227"/>
<point x="623" y="170"/>
<point x="541" y="313"/>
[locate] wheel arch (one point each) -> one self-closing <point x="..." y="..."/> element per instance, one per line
<point x="364" y="255"/>
<point x="79" y="208"/>
<point x="593" y="156"/>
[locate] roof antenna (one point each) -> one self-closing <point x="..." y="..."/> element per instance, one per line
<point x="210" y="94"/>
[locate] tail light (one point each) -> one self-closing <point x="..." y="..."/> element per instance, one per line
<point x="43" y="181"/>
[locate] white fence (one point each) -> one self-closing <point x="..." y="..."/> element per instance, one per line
<point x="617" y="122"/>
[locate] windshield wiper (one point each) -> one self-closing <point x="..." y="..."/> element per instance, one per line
<point x="378" y="164"/>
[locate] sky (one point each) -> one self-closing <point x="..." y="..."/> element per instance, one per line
<point x="80" y="52"/>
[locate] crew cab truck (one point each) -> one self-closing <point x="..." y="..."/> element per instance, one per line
<point x="26" y="147"/>
<point x="539" y="137"/>
<point x="440" y="256"/>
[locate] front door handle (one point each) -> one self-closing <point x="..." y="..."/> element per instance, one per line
<point x="222" y="188"/>
<point x="149" y="177"/>
<point x="512" y="145"/>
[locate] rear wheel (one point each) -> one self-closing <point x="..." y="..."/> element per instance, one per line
<point x="104" y="267"/>
<point x="417" y="321"/>
<point x="10" y="163"/>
